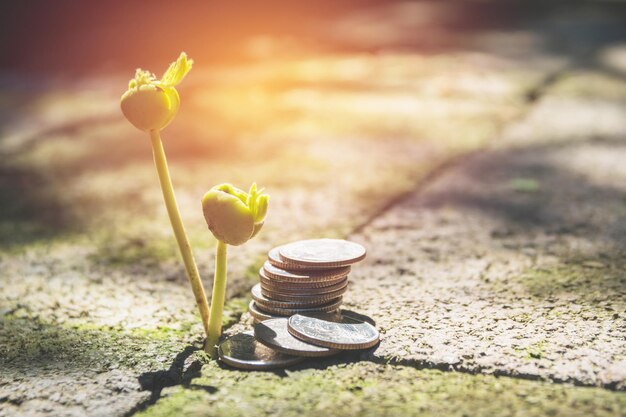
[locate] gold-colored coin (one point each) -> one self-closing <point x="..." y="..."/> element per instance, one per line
<point x="273" y="286"/>
<point x="265" y="302"/>
<point x="285" y="312"/>
<point x="279" y="274"/>
<point x="258" y="314"/>
<point x="298" y="284"/>
<point x="321" y="253"/>
<point x="273" y="256"/>
<point x="303" y="297"/>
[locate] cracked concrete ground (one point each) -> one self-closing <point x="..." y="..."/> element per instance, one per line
<point x="506" y="262"/>
<point x="512" y="262"/>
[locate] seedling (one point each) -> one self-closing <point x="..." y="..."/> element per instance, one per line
<point x="150" y="105"/>
<point x="234" y="217"/>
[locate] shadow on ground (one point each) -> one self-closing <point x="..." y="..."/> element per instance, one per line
<point x="31" y="207"/>
<point x="538" y="190"/>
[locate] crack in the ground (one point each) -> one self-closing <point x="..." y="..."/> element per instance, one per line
<point x="182" y="373"/>
<point x="478" y="370"/>
<point x="16" y="402"/>
<point x="397" y="200"/>
<point x="533" y="95"/>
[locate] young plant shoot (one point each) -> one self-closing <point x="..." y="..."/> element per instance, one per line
<point x="234" y="217"/>
<point x="150" y="105"/>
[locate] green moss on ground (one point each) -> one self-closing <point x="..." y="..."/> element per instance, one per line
<point x="536" y="350"/>
<point x="367" y="389"/>
<point x="589" y="280"/>
<point x="26" y="339"/>
<point x="134" y="252"/>
<point x="27" y="342"/>
<point x="233" y="309"/>
<point x="588" y="84"/>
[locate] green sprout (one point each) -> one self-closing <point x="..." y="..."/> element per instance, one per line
<point x="234" y="217"/>
<point x="150" y="105"/>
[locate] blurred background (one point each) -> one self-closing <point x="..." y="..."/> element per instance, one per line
<point x="76" y="38"/>
<point x="337" y="108"/>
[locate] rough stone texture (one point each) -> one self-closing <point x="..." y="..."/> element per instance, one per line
<point x="512" y="262"/>
<point x="368" y="389"/>
<point x="96" y="317"/>
<point x="84" y="234"/>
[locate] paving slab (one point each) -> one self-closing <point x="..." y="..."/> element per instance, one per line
<point x="512" y="262"/>
<point x="95" y="312"/>
<point x="87" y="256"/>
<point x="368" y="389"/>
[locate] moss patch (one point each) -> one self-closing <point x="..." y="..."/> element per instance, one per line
<point x="135" y="252"/>
<point x="588" y="280"/>
<point x="367" y="389"/>
<point x="29" y="342"/>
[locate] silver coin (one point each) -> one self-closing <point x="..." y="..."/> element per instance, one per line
<point x="333" y="305"/>
<point x="258" y="314"/>
<point x="357" y="316"/>
<point x="263" y="301"/>
<point x="298" y="284"/>
<point x="319" y="253"/>
<point x="333" y="331"/>
<point x="274" y="334"/>
<point x="243" y="351"/>
<point x="273" y="272"/>
<point x="303" y="297"/>
<point x="274" y="286"/>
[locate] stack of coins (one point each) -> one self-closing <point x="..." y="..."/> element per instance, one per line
<point x="296" y="308"/>
<point x="308" y="276"/>
<point x="282" y="342"/>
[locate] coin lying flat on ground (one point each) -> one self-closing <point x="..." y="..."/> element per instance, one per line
<point x="333" y="331"/>
<point x="243" y="351"/>
<point x="274" y="334"/>
<point x="321" y="253"/>
<point x="356" y="316"/>
<point x="303" y="298"/>
<point x="279" y="274"/>
<point x="263" y="301"/>
<point x="325" y="308"/>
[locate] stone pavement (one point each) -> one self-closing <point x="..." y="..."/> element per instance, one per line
<point x="512" y="263"/>
<point x="505" y="262"/>
<point x="508" y="264"/>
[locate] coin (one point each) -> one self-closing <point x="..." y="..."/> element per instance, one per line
<point x="243" y="351"/>
<point x="274" y="334"/>
<point x="321" y="253"/>
<point x="324" y="308"/>
<point x="273" y="272"/>
<point x="263" y="301"/>
<point x="258" y="314"/>
<point x="274" y="287"/>
<point x="357" y="316"/>
<point x="298" y="284"/>
<point x="273" y="256"/>
<point x="303" y="298"/>
<point x="334" y="331"/>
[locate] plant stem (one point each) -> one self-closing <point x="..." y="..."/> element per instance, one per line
<point x="179" y="229"/>
<point x="217" y="301"/>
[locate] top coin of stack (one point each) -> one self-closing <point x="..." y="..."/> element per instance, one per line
<point x="302" y="277"/>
